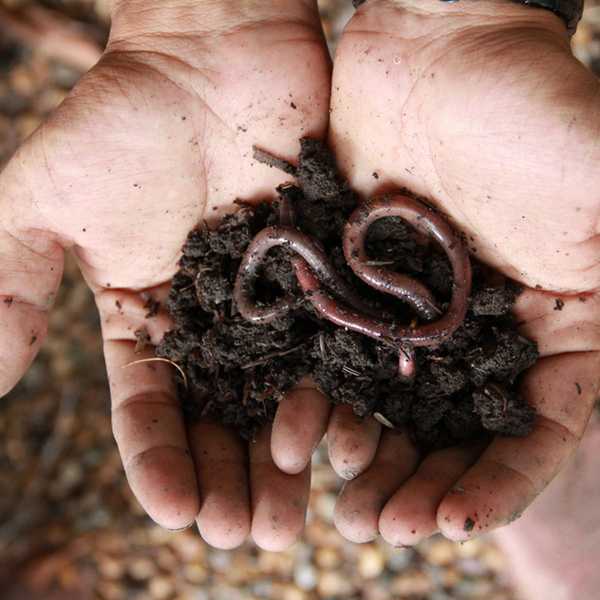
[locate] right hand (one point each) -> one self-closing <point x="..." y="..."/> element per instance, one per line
<point x="155" y="138"/>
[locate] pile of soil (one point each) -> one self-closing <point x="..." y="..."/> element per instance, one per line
<point x="238" y="371"/>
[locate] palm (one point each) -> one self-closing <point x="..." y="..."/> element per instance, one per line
<point x="153" y="140"/>
<point x="460" y="113"/>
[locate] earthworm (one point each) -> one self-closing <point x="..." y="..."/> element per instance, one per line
<point x="433" y="334"/>
<point x="314" y="270"/>
<point x="311" y="254"/>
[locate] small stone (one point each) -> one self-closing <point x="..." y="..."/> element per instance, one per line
<point x="371" y="562"/>
<point x="472" y="567"/>
<point x="328" y="558"/>
<point x="411" y="583"/>
<point x="400" y="559"/>
<point x="479" y="589"/>
<point x="306" y="577"/>
<point x="109" y="568"/>
<point x="141" y="569"/>
<point x="334" y="584"/>
<point x="219" y="560"/>
<point x="470" y="548"/>
<point x="450" y="577"/>
<point x="161" y="588"/>
<point x="325" y="506"/>
<point x="189" y="546"/>
<point x="440" y="552"/>
<point x="110" y="590"/>
<point x="293" y="593"/>
<point x="195" y="573"/>
<point x="494" y="559"/>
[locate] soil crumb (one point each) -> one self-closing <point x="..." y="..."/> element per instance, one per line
<point x="237" y="371"/>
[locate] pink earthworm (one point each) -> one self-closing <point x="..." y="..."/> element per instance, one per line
<point x="407" y="338"/>
<point x="313" y="271"/>
<point x="311" y="254"/>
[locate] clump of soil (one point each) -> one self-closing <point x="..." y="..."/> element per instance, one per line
<point x="238" y="371"/>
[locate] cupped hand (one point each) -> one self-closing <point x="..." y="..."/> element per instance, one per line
<point x="481" y="107"/>
<point x="157" y="137"/>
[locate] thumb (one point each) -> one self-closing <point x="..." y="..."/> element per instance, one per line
<point x="31" y="265"/>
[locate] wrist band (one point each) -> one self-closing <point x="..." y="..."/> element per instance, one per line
<point x="570" y="11"/>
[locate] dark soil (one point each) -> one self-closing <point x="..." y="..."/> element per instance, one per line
<point x="238" y="371"/>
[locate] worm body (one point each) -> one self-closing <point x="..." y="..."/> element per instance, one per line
<point x="302" y="245"/>
<point x="425" y="220"/>
<point x="339" y="303"/>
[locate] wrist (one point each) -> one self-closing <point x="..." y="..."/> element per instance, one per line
<point x="490" y="12"/>
<point x="133" y="19"/>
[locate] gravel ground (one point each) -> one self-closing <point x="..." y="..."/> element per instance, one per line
<point x="69" y="527"/>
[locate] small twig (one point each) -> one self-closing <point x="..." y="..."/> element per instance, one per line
<point x="380" y="263"/>
<point x="322" y="346"/>
<point x="385" y="422"/>
<point x="266" y="158"/>
<point x="351" y="371"/>
<point x="271" y="356"/>
<point x="157" y="359"/>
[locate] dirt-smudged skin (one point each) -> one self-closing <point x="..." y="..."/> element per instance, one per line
<point x="238" y="370"/>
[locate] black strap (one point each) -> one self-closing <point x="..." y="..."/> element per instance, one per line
<point x="570" y="11"/>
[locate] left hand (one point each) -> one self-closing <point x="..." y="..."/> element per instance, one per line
<point x="482" y="107"/>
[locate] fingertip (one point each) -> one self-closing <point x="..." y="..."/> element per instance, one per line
<point x="352" y="442"/>
<point x="277" y="533"/>
<point x="408" y="526"/>
<point x="354" y="524"/>
<point x="456" y="524"/>
<point x="222" y="536"/>
<point x="164" y="482"/>
<point x="298" y="428"/>
<point x="462" y="516"/>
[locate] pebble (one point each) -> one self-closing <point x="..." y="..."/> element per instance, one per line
<point x="411" y="583"/>
<point x="472" y="567"/>
<point x="470" y="549"/>
<point x="306" y="577"/>
<point x="328" y="557"/>
<point x="195" y="573"/>
<point x="334" y="584"/>
<point x="219" y="560"/>
<point x="141" y="569"/>
<point x="161" y="588"/>
<point x="494" y="559"/>
<point x="110" y="568"/>
<point x="293" y="593"/>
<point x="440" y="552"/>
<point x="478" y="589"/>
<point x="110" y="590"/>
<point x="189" y="546"/>
<point x="371" y="562"/>
<point x="324" y="506"/>
<point x="400" y="558"/>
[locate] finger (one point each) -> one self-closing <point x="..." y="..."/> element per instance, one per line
<point x="361" y="501"/>
<point x="410" y="514"/>
<point x="221" y="461"/>
<point x="146" y="415"/>
<point x="279" y="500"/>
<point x="299" y="426"/>
<point x="352" y="441"/>
<point x="513" y="471"/>
<point x="30" y="273"/>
